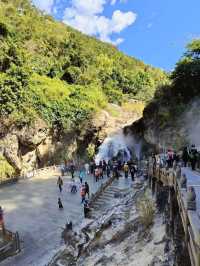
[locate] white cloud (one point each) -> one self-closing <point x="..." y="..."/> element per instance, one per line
<point x="87" y="17"/>
<point x="44" y="5"/>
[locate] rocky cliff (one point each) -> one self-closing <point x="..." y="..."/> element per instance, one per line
<point x="37" y="145"/>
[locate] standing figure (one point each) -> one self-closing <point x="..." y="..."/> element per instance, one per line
<point x="2" y="227"/>
<point x="193" y="157"/>
<point x="60" y="183"/>
<point x="132" y="171"/>
<point x="126" y="170"/>
<point x="72" y="170"/>
<point x="185" y="156"/>
<point x="82" y="174"/>
<point x="87" y="166"/>
<point x="87" y="189"/>
<point x="86" y="209"/>
<point x="60" y="205"/>
<point x="96" y="174"/>
<point x="104" y="166"/>
<point x="108" y="171"/>
<point x="82" y="191"/>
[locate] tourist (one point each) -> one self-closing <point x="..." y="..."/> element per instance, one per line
<point x="87" y="189"/>
<point x="2" y="221"/>
<point x="126" y="170"/>
<point x="86" y="209"/>
<point x="96" y="174"/>
<point x="60" y="183"/>
<point x="132" y="172"/>
<point x="82" y="175"/>
<point x="72" y="170"/>
<point x="108" y="170"/>
<point x="193" y="157"/>
<point x="60" y="205"/>
<point x="82" y="192"/>
<point x="92" y="167"/>
<point x="104" y="166"/>
<point x="115" y="171"/>
<point x="170" y="158"/>
<point x="101" y="172"/>
<point x="73" y="187"/>
<point x="87" y="166"/>
<point x="185" y="156"/>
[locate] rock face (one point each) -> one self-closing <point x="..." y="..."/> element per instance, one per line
<point x="37" y="145"/>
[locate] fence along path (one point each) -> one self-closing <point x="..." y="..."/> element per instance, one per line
<point x="181" y="180"/>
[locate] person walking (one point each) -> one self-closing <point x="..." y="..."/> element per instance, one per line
<point x="87" y="189"/>
<point x="60" y="183"/>
<point x="60" y="205"/>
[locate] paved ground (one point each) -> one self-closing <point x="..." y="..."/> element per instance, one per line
<point x="30" y="207"/>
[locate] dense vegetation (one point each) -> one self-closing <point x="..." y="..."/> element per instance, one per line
<point x="172" y="100"/>
<point x="53" y="71"/>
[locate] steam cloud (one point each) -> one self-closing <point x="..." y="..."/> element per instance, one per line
<point x="118" y="143"/>
<point x="192" y="122"/>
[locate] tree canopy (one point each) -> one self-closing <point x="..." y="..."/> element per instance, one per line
<point x="50" y="70"/>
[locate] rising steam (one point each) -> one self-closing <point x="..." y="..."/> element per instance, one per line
<point x="118" y="145"/>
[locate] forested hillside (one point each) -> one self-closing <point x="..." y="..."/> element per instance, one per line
<point x="51" y="70"/>
<point x="53" y="80"/>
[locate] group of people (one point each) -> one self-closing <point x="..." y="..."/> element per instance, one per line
<point x="84" y="189"/>
<point x="103" y="169"/>
<point x="190" y="155"/>
<point x="113" y="168"/>
<point x="187" y="155"/>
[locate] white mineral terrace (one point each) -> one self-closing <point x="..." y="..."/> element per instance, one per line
<point x="30" y="207"/>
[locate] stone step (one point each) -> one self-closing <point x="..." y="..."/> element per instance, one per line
<point x="105" y="197"/>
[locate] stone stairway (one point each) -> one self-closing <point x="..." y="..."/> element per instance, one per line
<point x="111" y="195"/>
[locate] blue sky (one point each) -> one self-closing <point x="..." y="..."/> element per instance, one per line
<point x="155" y="31"/>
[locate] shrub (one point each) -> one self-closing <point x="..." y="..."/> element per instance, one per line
<point x="146" y="210"/>
<point x="6" y="170"/>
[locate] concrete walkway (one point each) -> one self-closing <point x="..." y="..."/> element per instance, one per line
<point x="30" y="207"/>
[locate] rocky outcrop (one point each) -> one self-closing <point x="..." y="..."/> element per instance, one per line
<point x="10" y="148"/>
<point x="34" y="135"/>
